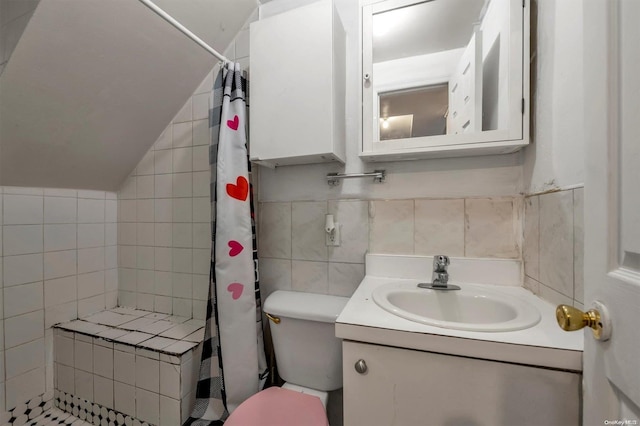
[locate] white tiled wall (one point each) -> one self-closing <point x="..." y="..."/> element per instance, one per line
<point x="293" y="254"/>
<point x="164" y="229"/>
<point x="59" y="261"/>
<point x="553" y="246"/>
<point x="164" y="240"/>
<point x="147" y="385"/>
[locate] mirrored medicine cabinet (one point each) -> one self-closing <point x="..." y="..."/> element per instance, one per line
<point x="444" y="78"/>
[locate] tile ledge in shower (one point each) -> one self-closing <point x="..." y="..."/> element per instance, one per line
<point x="138" y="364"/>
<point x="156" y="332"/>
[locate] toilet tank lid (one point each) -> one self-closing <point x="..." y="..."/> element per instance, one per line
<point x="305" y="306"/>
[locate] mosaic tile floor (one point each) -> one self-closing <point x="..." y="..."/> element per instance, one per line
<point x="56" y="416"/>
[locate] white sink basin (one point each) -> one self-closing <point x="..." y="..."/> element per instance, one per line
<point x="475" y="307"/>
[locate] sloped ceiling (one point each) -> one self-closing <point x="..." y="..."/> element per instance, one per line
<point x="91" y="84"/>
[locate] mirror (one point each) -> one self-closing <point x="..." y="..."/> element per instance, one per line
<point x="441" y="73"/>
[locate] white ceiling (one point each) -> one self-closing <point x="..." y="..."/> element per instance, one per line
<point x="424" y="28"/>
<point x="92" y="84"/>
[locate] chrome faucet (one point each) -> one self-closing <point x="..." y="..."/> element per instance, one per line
<point x="440" y="276"/>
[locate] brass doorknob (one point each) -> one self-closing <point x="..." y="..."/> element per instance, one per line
<point x="572" y="319"/>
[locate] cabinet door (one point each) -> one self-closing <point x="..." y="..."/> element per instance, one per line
<point x="406" y="387"/>
<point x="292" y="86"/>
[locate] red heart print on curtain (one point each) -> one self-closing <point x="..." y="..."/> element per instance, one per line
<point x="236" y="290"/>
<point x="240" y="190"/>
<point x="233" y="124"/>
<point x="235" y="248"/>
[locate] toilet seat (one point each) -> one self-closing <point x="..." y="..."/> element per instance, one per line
<point x="279" y="407"/>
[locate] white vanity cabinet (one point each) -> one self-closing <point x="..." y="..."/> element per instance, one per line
<point x="413" y="387"/>
<point x="297" y="87"/>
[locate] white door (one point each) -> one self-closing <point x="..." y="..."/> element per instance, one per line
<point x="612" y="208"/>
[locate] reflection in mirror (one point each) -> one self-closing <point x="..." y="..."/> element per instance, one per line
<point x="414" y="112"/>
<point x="440" y="65"/>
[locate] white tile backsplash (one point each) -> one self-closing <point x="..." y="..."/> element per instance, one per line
<point x="353" y="216"/>
<point x="391" y="226"/>
<point x="439" y="227"/>
<point x="490" y="228"/>
<point x="275" y="230"/>
<point x="307" y="231"/>
<point x="344" y="278"/>
<point x="554" y="246"/>
<point x="556" y="241"/>
<point x="578" y="244"/>
<point x="531" y="238"/>
<point x="376" y="226"/>
<point x="311" y="277"/>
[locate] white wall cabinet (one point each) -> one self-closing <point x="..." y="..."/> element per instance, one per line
<point x="297" y="87"/>
<point x="409" y="387"/>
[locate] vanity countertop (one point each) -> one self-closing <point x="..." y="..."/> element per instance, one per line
<point x="544" y="344"/>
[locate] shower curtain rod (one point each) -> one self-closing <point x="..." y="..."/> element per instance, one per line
<point x="183" y="29"/>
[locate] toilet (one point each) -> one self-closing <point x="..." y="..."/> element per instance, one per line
<point x="309" y="358"/>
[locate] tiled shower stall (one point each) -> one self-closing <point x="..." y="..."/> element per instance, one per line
<point x="69" y="254"/>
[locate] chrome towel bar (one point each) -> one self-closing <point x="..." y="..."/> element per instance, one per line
<point x="333" y="179"/>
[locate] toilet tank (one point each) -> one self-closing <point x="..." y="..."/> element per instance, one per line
<point x="307" y="350"/>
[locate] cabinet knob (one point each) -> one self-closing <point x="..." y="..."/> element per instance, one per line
<point x="361" y="366"/>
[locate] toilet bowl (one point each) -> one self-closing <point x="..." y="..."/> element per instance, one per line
<point x="309" y="358"/>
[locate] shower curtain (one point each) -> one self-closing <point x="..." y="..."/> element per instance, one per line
<point x="233" y="365"/>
